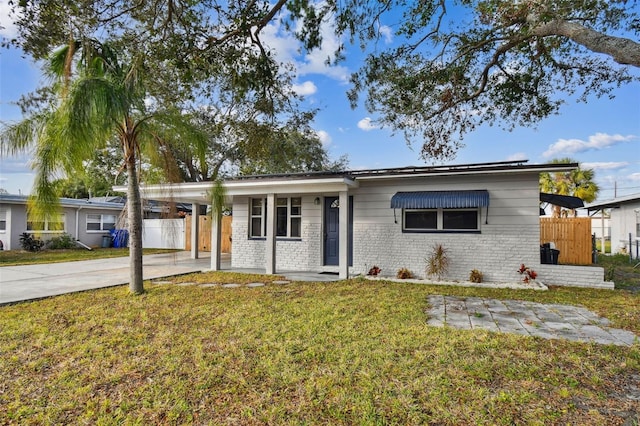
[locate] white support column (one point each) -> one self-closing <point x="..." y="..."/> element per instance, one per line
<point x="270" y="244"/>
<point x="602" y="237"/>
<point x="216" y="244"/>
<point x="343" y="254"/>
<point x="195" y="229"/>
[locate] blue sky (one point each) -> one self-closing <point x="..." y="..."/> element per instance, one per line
<point x="603" y="134"/>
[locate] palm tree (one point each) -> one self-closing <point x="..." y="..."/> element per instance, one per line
<point x="97" y="97"/>
<point x="577" y="183"/>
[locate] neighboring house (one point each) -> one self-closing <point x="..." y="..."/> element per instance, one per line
<point x="151" y="209"/>
<point x="624" y="222"/>
<point x="84" y="220"/>
<point x="485" y="215"/>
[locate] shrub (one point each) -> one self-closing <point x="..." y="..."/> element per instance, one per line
<point x="528" y="273"/>
<point x="404" y="273"/>
<point x="475" y="276"/>
<point x="30" y="243"/>
<point x="437" y="262"/>
<point x="64" y="241"/>
<point x="375" y="271"/>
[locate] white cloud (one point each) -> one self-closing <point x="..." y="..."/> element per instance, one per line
<point x="7" y="19"/>
<point x="325" y="138"/>
<point x="305" y="89"/>
<point x="366" y="124"/>
<point x="518" y="156"/>
<point x="286" y="49"/>
<point x="386" y="32"/>
<point x="596" y="142"/>
<point x="604" y="165"/>
<point x="634" y="177"/>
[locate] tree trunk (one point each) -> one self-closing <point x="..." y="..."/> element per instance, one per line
<point x="134" y="206"/>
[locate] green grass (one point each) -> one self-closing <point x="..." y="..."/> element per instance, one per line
<point x="19" y="257"/>
<point x="350" y="352"/>
<point x="621" y="271"/>
<point x="607" y="245"/>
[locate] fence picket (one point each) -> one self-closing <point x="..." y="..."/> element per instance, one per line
<point x="571" y="235"/>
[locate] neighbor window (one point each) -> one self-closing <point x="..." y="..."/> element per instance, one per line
<point x="288" y="217"/>
<point x="100" y="222"/>
<point x="425" y="220"/>
<point x="3" y="220"/>
<point x="55" y="224"/>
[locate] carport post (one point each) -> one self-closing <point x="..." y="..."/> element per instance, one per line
<point x="216" y="236"/>
<point x="270" y="244"/>
<point x="195" y="227"/>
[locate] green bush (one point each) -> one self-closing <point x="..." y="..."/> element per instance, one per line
<point x="30" y="243"/>
<point x="64" y="241"/>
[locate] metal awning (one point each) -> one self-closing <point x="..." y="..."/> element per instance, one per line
<point x="440" y="199"/>
<point x="565" y="201"/>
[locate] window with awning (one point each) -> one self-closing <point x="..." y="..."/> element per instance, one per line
<point x="440" y="199"/>
<point x="440" y="211"/>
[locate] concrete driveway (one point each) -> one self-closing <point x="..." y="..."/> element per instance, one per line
<point x="19" y="283"/>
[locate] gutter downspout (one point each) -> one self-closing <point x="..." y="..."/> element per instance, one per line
<point x="77" y="223"/>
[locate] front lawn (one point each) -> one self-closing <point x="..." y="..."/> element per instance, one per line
<point x="20" y="257"/>
<point x="350" y="352"/>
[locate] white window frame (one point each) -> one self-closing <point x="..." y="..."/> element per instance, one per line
<point x="101" y="223"/>
<point x="290" y="217"/>
<point x="262" y="216"/>
<point x="440" y="221"/>
<point x="46" y="230"/>
<point x="3" y="220"/>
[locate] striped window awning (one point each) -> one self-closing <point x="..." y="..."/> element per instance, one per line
<point x="440" y="199"/>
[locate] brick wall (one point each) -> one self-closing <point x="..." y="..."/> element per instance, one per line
<point x="497" y="252"/>
<point x="573" y="276"/>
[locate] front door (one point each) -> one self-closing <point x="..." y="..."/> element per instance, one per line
<point x="331" y="231"/>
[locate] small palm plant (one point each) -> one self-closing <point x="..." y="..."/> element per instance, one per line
<point x="437" y="262"/>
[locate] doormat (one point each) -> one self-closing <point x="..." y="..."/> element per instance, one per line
<point x="329" y="273"/>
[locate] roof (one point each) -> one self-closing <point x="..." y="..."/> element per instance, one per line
<point x="614" y="203"/>
<point x="64" y="202"/>
<point x="332" y="181"/>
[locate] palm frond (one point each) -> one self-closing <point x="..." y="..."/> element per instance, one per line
<point x="16" y="138"/>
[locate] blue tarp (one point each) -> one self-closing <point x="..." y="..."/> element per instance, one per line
<point x="120" y="237"/>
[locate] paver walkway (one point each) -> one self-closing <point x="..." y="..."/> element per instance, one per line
<point x="528" y="318"/>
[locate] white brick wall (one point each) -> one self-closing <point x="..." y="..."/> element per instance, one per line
<point x="497" y="252"/>
<point x="573" y="276"/>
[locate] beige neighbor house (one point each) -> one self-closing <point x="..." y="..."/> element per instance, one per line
<point x="85" y="221"/>
<point x="485" y="215"/>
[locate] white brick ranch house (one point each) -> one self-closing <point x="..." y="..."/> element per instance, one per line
<point x="485" y="215"/>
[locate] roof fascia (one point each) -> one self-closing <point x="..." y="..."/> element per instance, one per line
<point x="198" y="191"/>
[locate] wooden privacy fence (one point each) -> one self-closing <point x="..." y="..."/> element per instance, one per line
<point x="571" y="235"/>
<point x="204" y="234"/>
